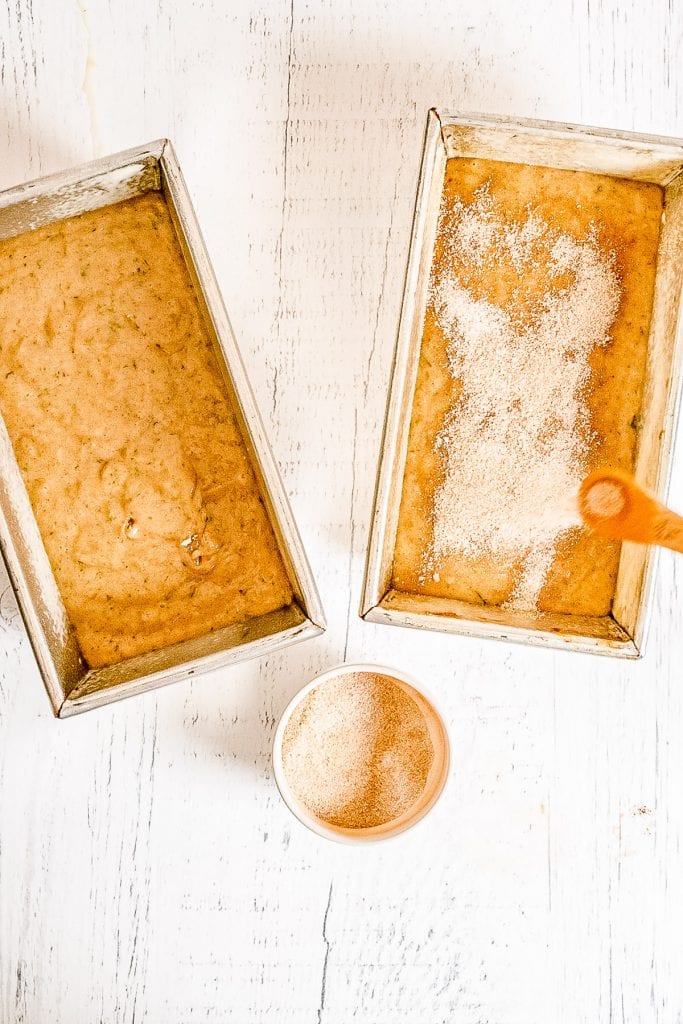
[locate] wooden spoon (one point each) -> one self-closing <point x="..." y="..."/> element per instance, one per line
<point x="613" y="504"/>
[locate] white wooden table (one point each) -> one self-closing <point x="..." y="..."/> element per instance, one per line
<point x="148" y="869"/>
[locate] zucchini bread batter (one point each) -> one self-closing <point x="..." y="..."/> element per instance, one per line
<point x="530" y="375"/>
<point x="125" y="435"/>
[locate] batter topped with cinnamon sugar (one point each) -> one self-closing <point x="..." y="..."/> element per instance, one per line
<point x="530" y="375"/>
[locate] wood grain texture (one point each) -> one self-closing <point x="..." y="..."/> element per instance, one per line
<point x="148" y="869"/>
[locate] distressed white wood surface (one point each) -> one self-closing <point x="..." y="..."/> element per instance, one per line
<point x="148" y="870"/>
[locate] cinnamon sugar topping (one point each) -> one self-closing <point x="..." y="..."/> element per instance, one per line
<point x="357" y="751"/>
<point x="515" y="445"/>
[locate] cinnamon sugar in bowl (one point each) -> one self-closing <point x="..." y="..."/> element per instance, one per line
<point x="360" y="753"/>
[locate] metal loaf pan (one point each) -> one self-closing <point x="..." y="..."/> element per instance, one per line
<point x="571" y="147"/>
<point x="71" y="686"/>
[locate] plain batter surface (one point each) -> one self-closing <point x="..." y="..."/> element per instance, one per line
<point x="127" y="440"/>
<point x="628" y="214"/>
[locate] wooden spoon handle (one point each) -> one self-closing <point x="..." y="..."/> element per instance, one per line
<point x="667" y="529"/>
